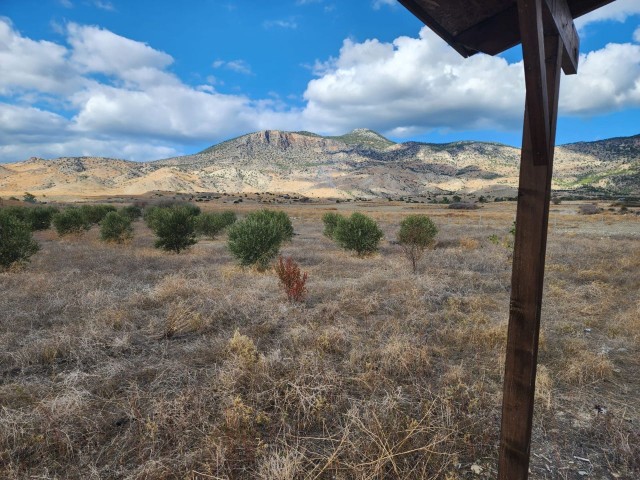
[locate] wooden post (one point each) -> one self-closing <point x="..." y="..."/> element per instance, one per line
<point x="530" y="246"/>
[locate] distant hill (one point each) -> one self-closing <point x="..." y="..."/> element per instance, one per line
<point x="361" y="163"/>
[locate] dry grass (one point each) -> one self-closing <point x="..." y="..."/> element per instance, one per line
<point x="127" y="362"/>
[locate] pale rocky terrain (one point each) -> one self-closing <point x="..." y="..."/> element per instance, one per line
<point x="359" y="164"/>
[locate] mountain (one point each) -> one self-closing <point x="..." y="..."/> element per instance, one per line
<point x="361" y="163"/>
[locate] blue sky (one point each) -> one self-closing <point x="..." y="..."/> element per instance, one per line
<point x="150" y="79"/>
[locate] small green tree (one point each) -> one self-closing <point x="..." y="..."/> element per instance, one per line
<point x="330" y="221"/>
<point x="29" y="197"/>
<point x="70" y="221"/>
<point x="256" y="240"/>
<point x="358" y="233"/>
<point x="175" y="228"/>
<point x="278" y="218"/>
<point x="39" y="218"/>
<point x="133" y="212"/>
<point x="212" y="223"/>
<point x="16" y="241"/>
<point x="116" y="228"/>
<point x="95" y="213"/>
<point x="417" y="233"/>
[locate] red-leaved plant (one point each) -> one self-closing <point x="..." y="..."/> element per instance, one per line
<point x="292" y="279"/>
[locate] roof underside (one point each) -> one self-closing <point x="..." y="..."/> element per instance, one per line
<point x="488" y="26"/>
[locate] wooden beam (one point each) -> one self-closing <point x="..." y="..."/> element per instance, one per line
<point x="532" y="36"/>
<point x="527" y="283"/>
<point x="560" y="17"/>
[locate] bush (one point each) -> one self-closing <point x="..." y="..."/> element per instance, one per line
<point x="70" y="221"/>
<point x="175" y="228"/>
<point x="133" y="212"/>
<point x="330" y="221"/>
<point x="463" y="206"/>
<point x="359" y="233"/>
<point x="16" y="241"/>
<point x="292" y="280"/>
<point x="589" y="209"/>
<point x="278" y="218"/>
<point x="417" y="233"/>
<point x="116" y="227"/>
<point x="151" y="215"/>
<point x="94" y="214"/>
<point x="256" y="240"/>
<point x="39" y="218"/>
<point x="211" y="224"/>
<point x="18" y="212"/>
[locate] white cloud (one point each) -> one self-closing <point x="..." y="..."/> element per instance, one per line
<point x="282" y="23"/>
<point x="96" y="50"/>
<point x="104" y="5"/>
<point x="138" y="109"/>
<point x="636" y="35"/>
<point x="238" y="66"/>
<point x="378" y="4"/>
<point x="618" y="11"/>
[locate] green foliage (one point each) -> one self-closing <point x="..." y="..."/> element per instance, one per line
<point x="39" y="218"/>
<point x="70" y="221"/>
<point x="256" y="240"/>
<point x="330" y="221"/>
<point x="132" y="212"/>
<point x="358" y="233"/>
<point x="18" y="212"/>
<point x="94" y="214"/>
<point x="457" y="198"/>
<point x="175" y="228"/>
<point x="278" y="218"/>
<point x="151" y="215"/>
<point x="16" y="242"/>
<point x="212" y="223"/>
<point x="417" y="233"/>
<point x="116" y="227"/>
<point x="29" y="197"/>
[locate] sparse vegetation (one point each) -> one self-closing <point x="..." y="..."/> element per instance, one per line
<point x="213" y="223"/>
<point x="175" y="228"/>
<point x="358" y="233"/>
<point x="256" y="240"/>
<point x="130" y="363"/>
<point x="116" y="228"/>
<point x="417" y="233"/>
<point x="70" y="221"/>
<point x="292" y="279"/>
<point x="330" y="221"/>
<point x="16" y="242"/>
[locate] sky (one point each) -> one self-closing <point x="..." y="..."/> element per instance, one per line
<point x="150" y="79"/>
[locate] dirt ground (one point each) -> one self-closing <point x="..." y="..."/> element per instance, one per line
<point x="128" y="362"/>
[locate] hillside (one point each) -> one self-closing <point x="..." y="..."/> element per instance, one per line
<point x="361" y="163"/>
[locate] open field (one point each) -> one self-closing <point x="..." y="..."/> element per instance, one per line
<point x="124" y="361"/>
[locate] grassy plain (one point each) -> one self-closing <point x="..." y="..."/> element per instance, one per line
<point x="128" y="362"/>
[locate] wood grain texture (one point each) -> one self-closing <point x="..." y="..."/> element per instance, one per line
<point x="527" y="286"/>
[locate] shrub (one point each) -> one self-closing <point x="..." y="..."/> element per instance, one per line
<point x="95" y="213"/>
<point x="278" y="218"/>
<point x="29" y="197"/>
<point x="358" y="233"/>
<point x="39" y="218"/>
<point x="175" y="228"/>
<point x="256" y="240"/>
<point x="211" y="224"/>
<point x="70" y="221"/>
<point x="292" y="280"/>
<point x="417" y="233"/>
<point x="18" y="212"/>
<point x="150" y="216"/>
<point x="463" y="206"/>
<point x="116" y="228"/>
<point x="589" y="209"/>
<point x="330" y="221"/>
<point x="16" y="241"/>
<point x="133" y="212"/>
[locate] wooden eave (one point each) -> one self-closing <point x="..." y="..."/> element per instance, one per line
<point x="487" y="26"/>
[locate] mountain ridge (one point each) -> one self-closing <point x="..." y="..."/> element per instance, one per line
<point x="361" y="163"/>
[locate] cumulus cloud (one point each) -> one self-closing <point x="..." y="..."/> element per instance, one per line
<point x="618" y="11"/>
<point x="636" y="35"/>
<point x="86" y="98"/>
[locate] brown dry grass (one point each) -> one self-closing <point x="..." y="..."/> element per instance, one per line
<point x="127" y="362"/>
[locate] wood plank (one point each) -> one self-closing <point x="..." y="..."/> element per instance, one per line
<point x="527" y="280"/>
<point x="532" y="33"/>
<point x="560" y="16"/>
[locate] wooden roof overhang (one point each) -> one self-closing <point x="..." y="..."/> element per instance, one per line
<point x="550" y="44"/>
